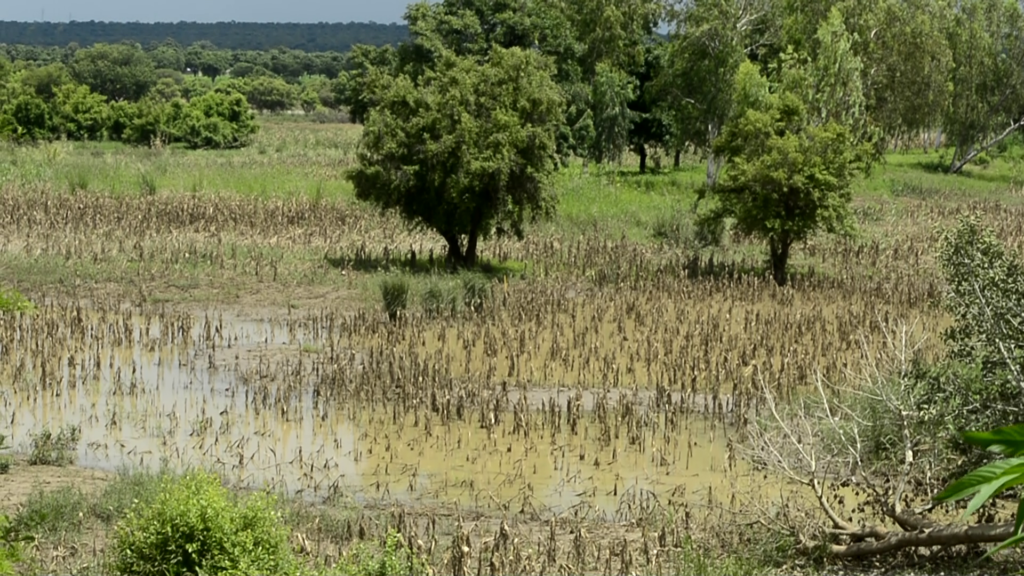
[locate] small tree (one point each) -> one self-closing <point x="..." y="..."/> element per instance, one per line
<point x="465" y="148"/>
<point x="117" y="71"/>
<point x="786" y="178"/>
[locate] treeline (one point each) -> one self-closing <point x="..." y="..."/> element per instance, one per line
<point x="321" y="37"/>
<point x="114" y="93"/>
<point x="199" y="58"/>
<point x="891" y="71"/>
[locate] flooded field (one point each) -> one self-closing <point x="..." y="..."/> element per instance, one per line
<point x="310" y="405"/>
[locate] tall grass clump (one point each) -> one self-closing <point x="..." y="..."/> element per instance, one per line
<point x="52" y="514"/>
<point x="439" y="299"/>
<point x="395" y="294"/>
<point x="130" y="487"/>
<point x="10" y="547"/>
<point x="476" y="293"/>
<point x="60" y="449"/>
<point x="195" y="525"/>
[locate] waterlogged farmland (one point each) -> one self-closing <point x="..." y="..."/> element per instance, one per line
<point x="276" y="403"/>
<point x="587" y="392"/>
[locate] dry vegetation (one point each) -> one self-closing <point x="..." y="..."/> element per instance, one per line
<point x="581" y="417"/>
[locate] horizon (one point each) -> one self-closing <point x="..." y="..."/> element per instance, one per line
<point x="205" y="12"/>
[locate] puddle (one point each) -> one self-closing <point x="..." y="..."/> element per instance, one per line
<point x="182" y="390"/>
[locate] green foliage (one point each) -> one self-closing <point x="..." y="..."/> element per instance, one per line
<point x="217" y="120"/>
<point x="196" y="526"/>
<point x="271" y="94"/>
<point x="6" y="460"/>
<point x="476" y="293"/>
<point x="979" y="384"/>
<point x="787" y="178"/>
<point x="611" y="93"/>
<point x="27" y="117"/>
<point x="60" y="449"/>
<point x="43" y="81"/>
<point x="52" y="514"/>
<point x="128" y="488"/>
<point x="79" y="114"/>
<point x="355" y="87"/>
<point x="394" y="292"/>
<point x="395" y="558"/>
<point x="117" y="71"/>
<point x="439" y="299"/>
<point x="165" y="90"/>
<point x="10" y="547"/>
<point x="13" y="301"/>
<point x="466" y="148"/>
<point x="994" y="478"/>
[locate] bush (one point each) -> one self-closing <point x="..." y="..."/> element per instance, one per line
<point x="54" y="514"/>
<point x="394" y="560"/>
<point x="395" y="294"/>
<point x="218" y="120"/>
<point x="196" y="526"/>
<point x="14" y="301"/>
<point x="10" y="548"/>
<point x="6" y="460"/>
<point x="61" y="449"/>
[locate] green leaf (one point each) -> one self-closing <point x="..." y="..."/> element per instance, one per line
<point x="1020" y="517"/>
<point x="1008" y="440"/>
<point x="974" y="481"/>
<point x="1007" y="479"/>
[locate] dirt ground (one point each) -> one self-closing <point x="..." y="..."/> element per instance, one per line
<point x="22" y="480"/>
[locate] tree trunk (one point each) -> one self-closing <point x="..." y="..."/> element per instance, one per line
<point x="643" y="159"/>
<point x="957" y="166"/>
<point x="678" y="159"/>
<point x="469" y="256"/>
<point x="454" y="257"/>
<point x="779" y="249"/>
<point x="712" y="171"/>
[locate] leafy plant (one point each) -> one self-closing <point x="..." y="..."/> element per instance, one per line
<point x="987" y="482"/>
<point x="60" y="449"/>
<point x="396" y="559"/>
<point x="52" y="514"/>
<point x="14" y="301"/>
<point x="10" y="547"/>
<point x="395" y="294"/>
<point x="196" y="526"/>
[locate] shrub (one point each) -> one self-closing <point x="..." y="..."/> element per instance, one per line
<point x="10" y="548"/>
<point x="61" y="449"/>
<point x="395" y="294"/>
<point x="196" y="526"/>
<point x="52" y="514"/>
<point x="218" y="120"/>
<point x="394" y="559"/>
<point x="14" y="301"/>
<point x="6" y="461"/>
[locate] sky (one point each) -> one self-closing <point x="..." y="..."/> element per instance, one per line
<point x="381" y="11"/>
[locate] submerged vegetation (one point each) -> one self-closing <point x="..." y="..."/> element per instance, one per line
<point x="491" y="330"/>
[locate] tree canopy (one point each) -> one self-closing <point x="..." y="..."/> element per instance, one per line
<point x="465" y="148"/>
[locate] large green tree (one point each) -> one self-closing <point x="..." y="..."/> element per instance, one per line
<point x="117" y="71"/>
<point x="787" y="176"/>
<point x="987" y="104"/>
<point x="695" y="86"/>
<point x="464" y="149"/>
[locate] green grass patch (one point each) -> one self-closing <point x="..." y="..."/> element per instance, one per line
<point x="53" y="514"/>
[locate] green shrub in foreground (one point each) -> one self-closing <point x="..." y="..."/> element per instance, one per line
<point x="196" y="526"/>
<point x="14" y="301"/>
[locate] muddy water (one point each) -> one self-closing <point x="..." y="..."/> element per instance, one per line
<point x="178" y="390"/>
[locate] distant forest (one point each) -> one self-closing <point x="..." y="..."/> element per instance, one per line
<point x="321" y="37"/>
